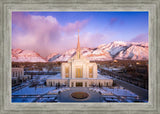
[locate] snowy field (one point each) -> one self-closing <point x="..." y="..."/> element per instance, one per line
<point x="59" y="90"/>
<point x="23" y="100"/>
<point x="41" y="77"/>
<point x="47" y="98"/>
<point x="116" y="91"/>
<point x="37" y="90"/>
<point x="119" y="91"/>
<point x="57" y="76"/>
<point x="33" y="90"/>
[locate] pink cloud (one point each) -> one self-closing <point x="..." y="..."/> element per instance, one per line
<point x="42" y="34"/>
<point x="140" y="38"/>
<point x="113" y="20"/>
<point x="73" y="27"/>
<point x="93" y="39"/>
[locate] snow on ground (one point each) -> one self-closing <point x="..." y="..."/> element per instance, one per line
<point x="22" y="84"/>
<point x="52" y="91"/>
<point x="120" y="91"/>
<point x="47" y="98"/>
<point x="111" y="99"/>
<point x="51" y="99"/>
<point x="59" y="90"/>
<point x="57" y="76"/>
<point x="99" y="76"/>
<point x="50" y="95"/>
<point x="112" y="68"/>
<point x="38" y="71"/>
<point x="42" y="77"/>
<point x="33" y="91"/>
<point x="99" y="90"/>
<point x="117" y="94"/>
<point x="23" y="99"/>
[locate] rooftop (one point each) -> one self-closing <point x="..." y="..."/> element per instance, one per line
<point x="99" y="76"/>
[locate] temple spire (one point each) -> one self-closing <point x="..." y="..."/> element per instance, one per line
<point x="78" y="47"/>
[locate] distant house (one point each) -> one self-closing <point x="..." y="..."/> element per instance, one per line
<point x="18" y="75"/>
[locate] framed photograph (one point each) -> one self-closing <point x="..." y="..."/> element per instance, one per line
<point x="80" y="57"/>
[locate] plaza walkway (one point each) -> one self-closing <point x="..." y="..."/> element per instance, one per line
<point x="66" y="95"/>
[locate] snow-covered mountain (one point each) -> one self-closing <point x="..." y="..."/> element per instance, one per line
<point x="114" y="50"/>
<point x="97" y="54"/>
<point x="134" y="52"/>
<point x="115" y="47"/>
<point x="19" y="55"/>
<point x="126" y="50"/>
<point x="67" y="55"/>
<point x="52" y="57"/>
<point x="91" y="54"/>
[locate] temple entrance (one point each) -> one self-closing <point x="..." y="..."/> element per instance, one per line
<point x="79" y="84"/>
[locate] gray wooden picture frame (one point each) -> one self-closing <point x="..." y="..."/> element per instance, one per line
<point x="152" y="6"/>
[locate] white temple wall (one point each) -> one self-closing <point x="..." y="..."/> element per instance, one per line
<point x="84" y="71"/>
<point x="70" y="70"/>
<point x="73" y="71"/>
<point x="87" y="68"/>
<point x="62" y="70"/>
<point x="85" y="82"/>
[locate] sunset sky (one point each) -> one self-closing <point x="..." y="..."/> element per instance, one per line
<point x="48" y="32"/>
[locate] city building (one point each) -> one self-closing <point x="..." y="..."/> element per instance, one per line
<point x="79" y="72"/>
<point x="18" y="75"/>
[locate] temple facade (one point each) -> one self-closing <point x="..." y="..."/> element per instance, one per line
<point x="79" y="72"/>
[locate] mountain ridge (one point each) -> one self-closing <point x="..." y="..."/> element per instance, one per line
<point x="104" y="52"/>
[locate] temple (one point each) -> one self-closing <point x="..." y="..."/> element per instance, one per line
<point x="79" y="72"/>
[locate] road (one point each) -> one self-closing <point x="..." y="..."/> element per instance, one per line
<point x="143" y="93"/>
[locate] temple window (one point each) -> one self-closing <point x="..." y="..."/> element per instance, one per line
<point x="67" y="72"/>
<point x="79" y="73"/>
<point x="91" y="72"/>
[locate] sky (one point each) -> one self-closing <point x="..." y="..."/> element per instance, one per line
<point x="56" y="32"/>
